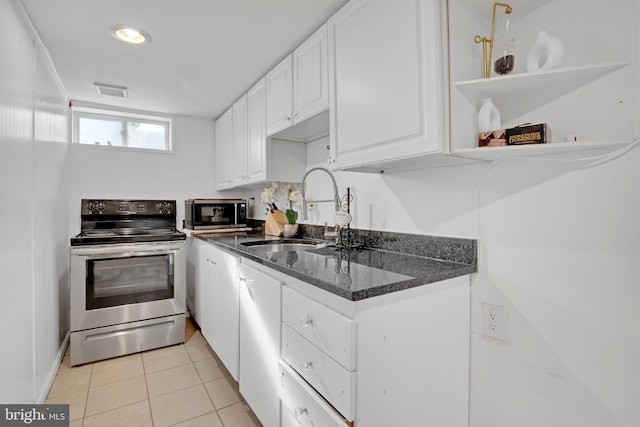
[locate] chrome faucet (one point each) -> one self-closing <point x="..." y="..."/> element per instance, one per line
<point x="336" y="198"/>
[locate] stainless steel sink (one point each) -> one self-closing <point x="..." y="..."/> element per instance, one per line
<point x="282" y="246"/>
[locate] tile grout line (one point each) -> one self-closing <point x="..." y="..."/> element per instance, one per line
<point x="215" y="409"/>
<point x="146" y="384"/>
<point x="86" y="399"/>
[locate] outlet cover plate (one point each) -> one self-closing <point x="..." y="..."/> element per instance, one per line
<point x="494" y="321"/>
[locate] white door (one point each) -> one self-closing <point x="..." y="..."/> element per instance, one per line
<point x="256" y="133"/>
<point x="260" y="343"/>
<point x="279" y="87"/>
<point x="311" y="76"/>
<point x="205" y="278"/>
<point x="224" y="308"/>
<point x="385" y="87"/>
<point x="239" y="148"/>
<point x="223" y="143"/>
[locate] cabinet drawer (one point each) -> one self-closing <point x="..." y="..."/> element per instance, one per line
<point x="329" y="331"/>
<point x="306" y="406"/>
<point x="288" y="419"/>
<point x="328" y="377"/>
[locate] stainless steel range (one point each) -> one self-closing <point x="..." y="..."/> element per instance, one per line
<point x="127" y="279"/>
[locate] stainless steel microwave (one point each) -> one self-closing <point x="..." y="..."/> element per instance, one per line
<point x="203" y="214"/>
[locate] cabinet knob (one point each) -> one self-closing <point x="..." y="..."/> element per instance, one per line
<point x="295" y="115"/>
<point x="306" y="366"/>
<point x="298" y="412"/>
<point x="306" y="321"/>
<point x="288" y="118"/>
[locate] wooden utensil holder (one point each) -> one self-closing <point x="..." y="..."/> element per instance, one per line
<point x="274" y="224"/>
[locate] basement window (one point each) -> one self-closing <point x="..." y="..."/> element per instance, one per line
<point x="108" y="128"/>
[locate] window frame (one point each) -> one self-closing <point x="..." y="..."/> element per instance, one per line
<point x="125" y="118"/>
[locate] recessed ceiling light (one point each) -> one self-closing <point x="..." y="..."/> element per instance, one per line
<point x="130" y="35"/>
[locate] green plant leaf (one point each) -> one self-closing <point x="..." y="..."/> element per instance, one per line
<point x="292" y="216"/>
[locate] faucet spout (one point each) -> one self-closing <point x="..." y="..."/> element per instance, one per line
<point x="336" y="198"/>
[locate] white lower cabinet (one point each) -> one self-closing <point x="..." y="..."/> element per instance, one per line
<point x="260" y="341"/>
<point x="332" y="380"/>
<point x="397" y="359"/>
<point x="213" y="300"/>
<point x="303" y="405"/>
<point x="223" y="333"/>
<point x="308" y="357"/>
<point x="320" y="325"/>
<point x="288" y="419"/>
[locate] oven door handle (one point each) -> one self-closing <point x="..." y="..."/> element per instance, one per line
<point x="125" y="252"/>
<point x="131" y="254"/>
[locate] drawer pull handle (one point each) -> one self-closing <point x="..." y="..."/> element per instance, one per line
<point x="306" y="366"/>
<point x="306" y="321"/>
<point x="298" y="412"/>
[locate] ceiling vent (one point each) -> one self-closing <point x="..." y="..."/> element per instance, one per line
<point x="111" y="90"/>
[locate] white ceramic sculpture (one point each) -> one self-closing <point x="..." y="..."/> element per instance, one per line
<point x="546" y="53"/>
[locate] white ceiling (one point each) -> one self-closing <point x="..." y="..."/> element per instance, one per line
<point x="203" y="54"/>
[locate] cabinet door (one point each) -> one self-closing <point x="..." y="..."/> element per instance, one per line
<point x="385" y="85"/>
<point x="205" y="277"/>
<point x="279" y="87"/>
<point x="310" y="76"/>
<point x="223" y="310"/>
<point x="224" y="142"/>
<point x="260" y="343"/>
<point x="256" y="133"/>
<point x="193" y="267"/>
<point x="239" y="149"/>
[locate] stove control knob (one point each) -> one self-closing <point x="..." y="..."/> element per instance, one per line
<point x="164" y="207"/>
<point x="95" y="207"/>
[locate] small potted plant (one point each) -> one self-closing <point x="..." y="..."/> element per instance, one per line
<point x="291" y="229"/>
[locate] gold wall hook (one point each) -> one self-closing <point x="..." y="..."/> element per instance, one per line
<point x="487" y="56"/>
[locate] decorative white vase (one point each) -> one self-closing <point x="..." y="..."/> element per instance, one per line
<point x="488" y="117"/>
<point x="546" y="53"/>
<point x="290" y="230"/>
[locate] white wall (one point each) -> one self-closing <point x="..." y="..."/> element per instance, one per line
<point x="33" y="257"/>
<point x="559" y="249"/>
<point x="188" y="172"/>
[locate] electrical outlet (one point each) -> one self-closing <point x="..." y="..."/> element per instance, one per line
<point x="494" y="322"/>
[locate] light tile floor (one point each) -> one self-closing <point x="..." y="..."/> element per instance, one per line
<point x="183" y="385"/>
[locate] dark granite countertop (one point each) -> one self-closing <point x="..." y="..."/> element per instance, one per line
<point x="354" y="275"/>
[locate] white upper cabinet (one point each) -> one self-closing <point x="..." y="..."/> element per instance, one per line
<point x="279" y="84"/>
<point x="588" y="97"/>
<point x="310" y="76"/>
<point x="223" y="148"/>
<point x="239" y="148"/>
<point x="298" y="90"/>
<point x="256" y="156"/>
<point x="386" y="91"/>
<point x="244" y="155"/>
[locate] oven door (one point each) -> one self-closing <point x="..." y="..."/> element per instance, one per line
<point x="119" y="283"/>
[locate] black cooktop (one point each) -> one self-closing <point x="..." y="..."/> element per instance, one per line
<point x="109" y="238"/>
<point x="106" y="221"/>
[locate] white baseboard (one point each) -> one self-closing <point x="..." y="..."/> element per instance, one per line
<point x="53" y="371"/>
